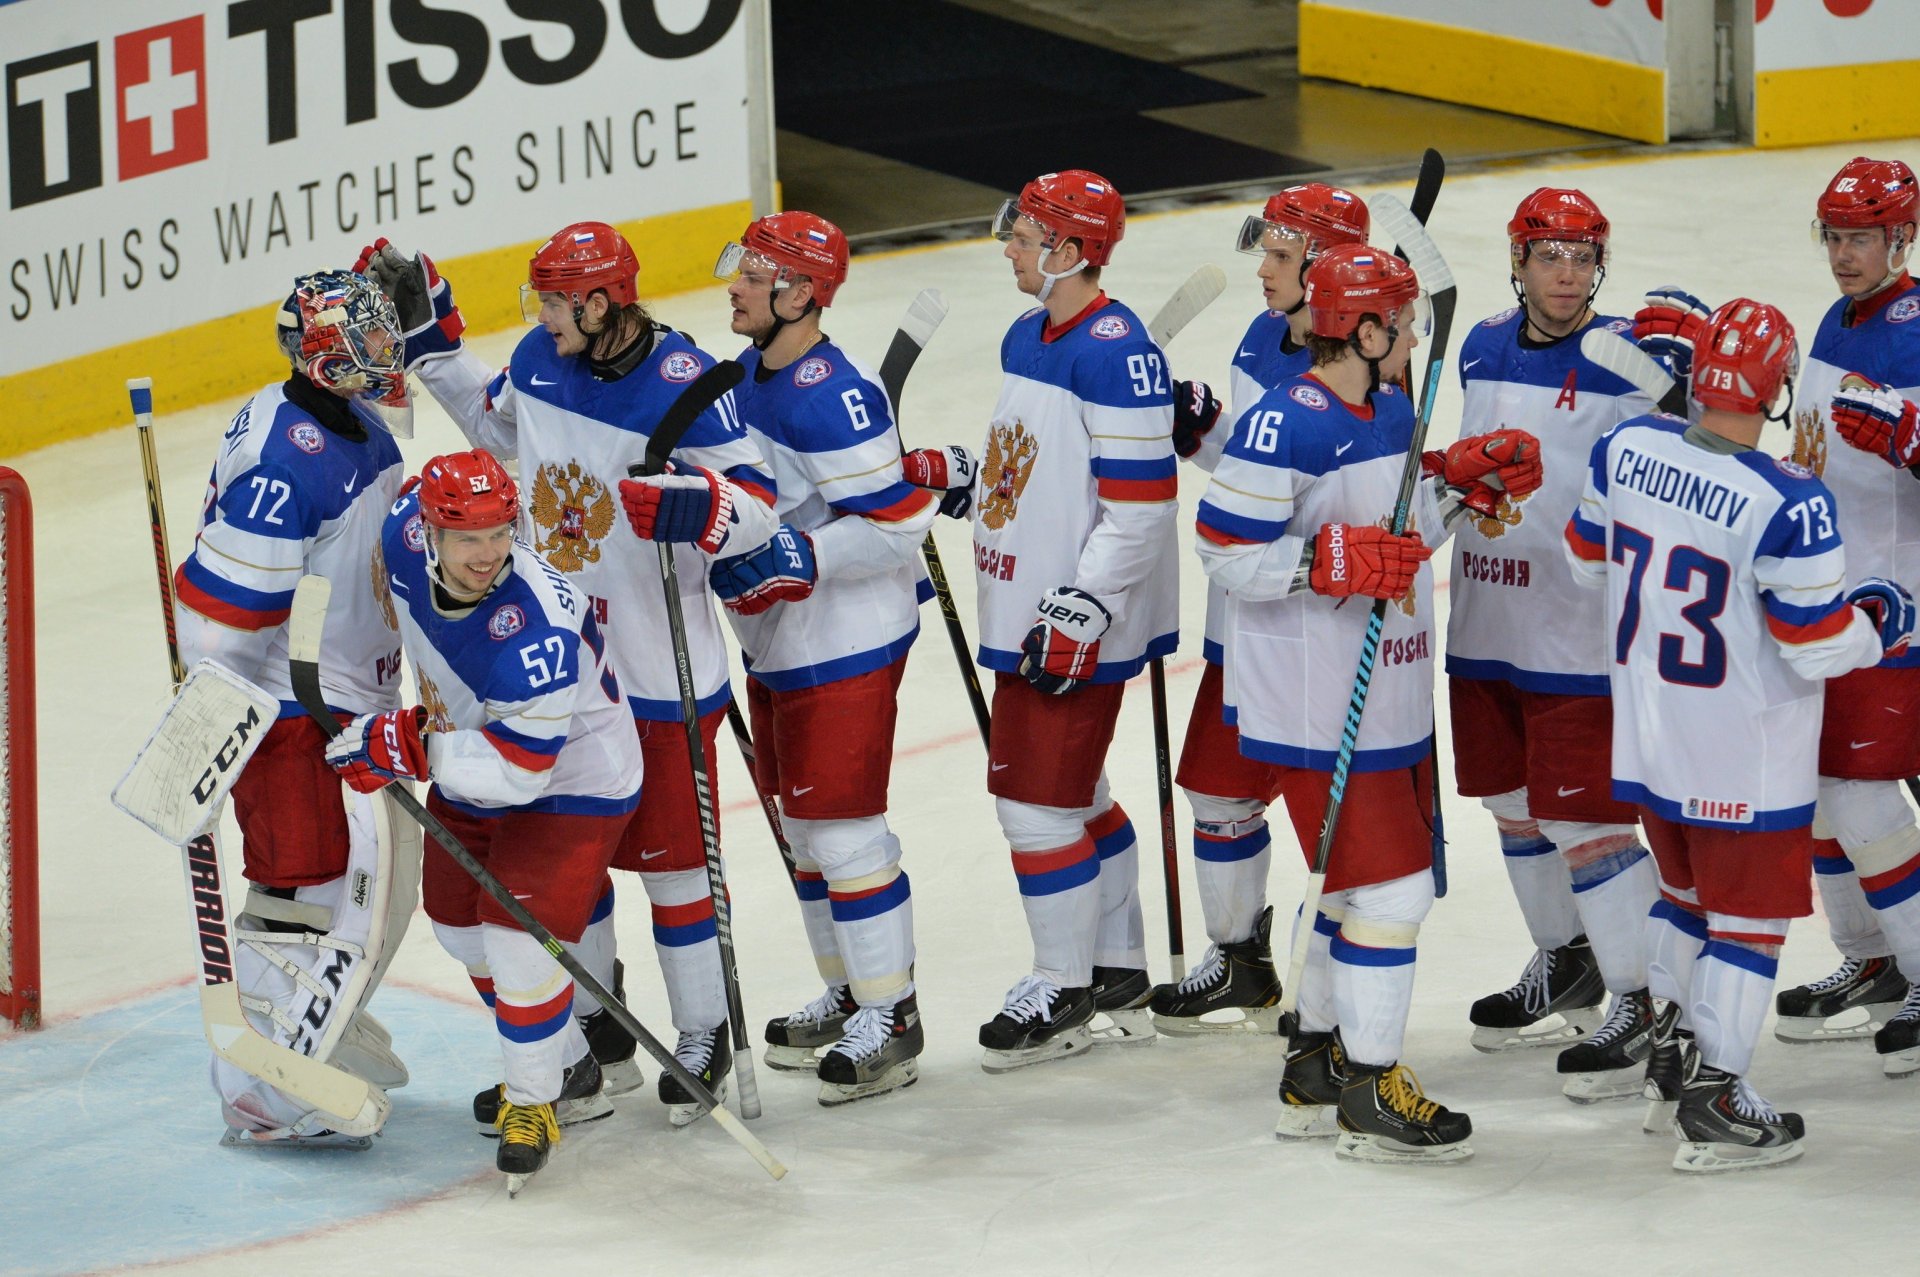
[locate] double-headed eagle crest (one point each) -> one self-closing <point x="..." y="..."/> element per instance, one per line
<point x="1011" y="450"/>
<point x="439" y="718"/>
<point x="573" y="512"/>
<point x="383" y="588"/>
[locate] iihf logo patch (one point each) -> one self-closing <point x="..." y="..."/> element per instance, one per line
<point x="307" y="437"/>
<point x="1309" y="396"/>
<point x="680" y="366"/>
<point x="415" y="534"/>
<point x="506" y="622"/>
<point x="812" y="371"/>
<point x="1903" y="310"/>
<point x="1793" y="469"/>
<point x="1108" y="327"/>
<point x="1621" y="326"/>
<point x="1501" y="318"/>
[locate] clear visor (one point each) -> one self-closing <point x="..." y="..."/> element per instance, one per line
<point x="1258" y="236"/>
<point x="760" y="271"/>
<point x="1416" y="316"/>
<point x="530" y="303"/>
<point x="1578" y="254"/>
<point x="1010" y="223"/>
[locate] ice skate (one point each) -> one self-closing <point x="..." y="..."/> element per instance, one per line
<point x="1040" y="1022"/>
<point x="879" y="1053"/>
<point x="794" y="1042"/>
<point x="583" y="1098"/>
<point x="1848" y="1004"/>
<point x="1310" y="1087"/>
<point x="706" y="1055"/>
<point x="1667" y="1064"/>
<point x="1611" y="1065"/>
<point x="1899" y="1042"/>
<point x="612" y="1045"/>
<point x="1120" y="997"/>
<point x="1724" y="1125"/>
<point x="244" y="1132"/>
<point x="528" y="1133"/>
<point x="1385" y="1117"/>
<point x="1235" y="989"/>
<point x="1556" y="1001"/>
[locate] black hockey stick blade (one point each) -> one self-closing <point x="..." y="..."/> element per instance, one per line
<point x="1426" y="188"/>
<point x="705" y="391"/>
<point x="924" y="315"/>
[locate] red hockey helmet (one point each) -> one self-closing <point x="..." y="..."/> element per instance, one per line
<point x="789" y="244"/>
<point x="1072" y="204"/>
<point x="1556" y="213"/>
<point x="1744" y="355"/>
<point x="1867" y="193"/>
<point x="468" y="490"/>
<point x="579" y="260"/>
<point x="1350" y="281"/>
<point x="1314" y="212"/>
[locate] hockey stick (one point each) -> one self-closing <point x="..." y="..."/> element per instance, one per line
<point x="1195" y="295"/>
<point x="228" y="1031"/>
<point x="308" y="620"/>
<point x="705" y="391"/>
<point x="769" y="804"/>
<point x="924" y="314"/>
<point x="1438" y="280"/>
<point x="1618" y="355"/>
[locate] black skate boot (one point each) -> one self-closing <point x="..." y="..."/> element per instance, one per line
<point x="1667" y="1064"/>
<point x="1899" y="1042"/>
<point x="1871" y="988"/>
<point x="1563" y="982"/>
<point x="879" y="1053"/>
<point x="583" y="1098"/>
<point x="1235" y="983"/>
<point x="528" y="1133"/>
<point x="1724" y="1125"/>
<point x="1610" y="1064"/>
<point x="794" y="1042"/>
<point x="1310" y="1087"/>
<point x="1385" y="1117"/>
<point x="705" y="1054"/>
<point x="612" y="1045"/>
<point x="1120" y="997"/>
<point x="1040" y="1022"/>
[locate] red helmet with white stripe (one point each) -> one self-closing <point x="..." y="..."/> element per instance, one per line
<point x="1071" y="204"/>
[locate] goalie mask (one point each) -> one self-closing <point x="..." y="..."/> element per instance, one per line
<point x="341" y="332"/>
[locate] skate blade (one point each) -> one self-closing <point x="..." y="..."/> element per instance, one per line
<point x="1307" y="1122"/>
<point x="1562" y="1028"/>
<point x="1075" y="1041"/>
<point x="516" y="1182"/>
<point x="1901" y="1063"/>
<point x="1378" y="1149"/>
<point x="1659" y="1118"/>
<point x="687" y="1114"/>
<point x="1697" y="1158"/>
<point x="792" y="1059"/>
<point x="899" y="1077"/>
<point x="1606" y="1084"/>
<point x="331" y="1140"/>
<point x="1847" y="1026"/>
<point x="622" y="1077"/>
<point x="1130" y="1027"/>
<point x="590" y="1108"/>
<point x="1235" y="1020"/>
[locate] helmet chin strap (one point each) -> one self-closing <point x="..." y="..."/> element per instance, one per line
<point x="780" y="321"/>
<point x="1520" y="295"/>
<point x="1373" y="365"/>
<point x="1787" y="410"/>
<point x="1050" y="278"/>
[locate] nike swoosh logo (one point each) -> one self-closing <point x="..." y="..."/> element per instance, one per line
<point x="1000" y="767"/>
<point x="797" y="790"/>
<point x="1245" y="353"/>
<point x="1861" y="744"/>
<point x="1577" y="789"/>
<point x="649" y="855"/>
<point x="1343" y="447"/>
<point x="350" y="483"/>
<point x="1470" y="363"/>
<point x="538" y="380"/>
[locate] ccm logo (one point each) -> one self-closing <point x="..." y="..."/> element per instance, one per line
<point x="225" y="756"/>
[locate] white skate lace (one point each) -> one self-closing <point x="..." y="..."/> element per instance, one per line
<point x="1910" y="1009"/>
<point x="818" y="1011"/>
<point x="1031" y="999"/>
<point x="1625" y="1014"/>
<point x="1849" y="971"/>
<point x="1534" y="993"/>
<point x="1748" y="1104"/>
<point x="694" y="1050"/>
<point x="867" y="1032"/>
<point x="1211" y="971"/>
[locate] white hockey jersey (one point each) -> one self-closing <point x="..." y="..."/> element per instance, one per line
<point x="1879" y="505"/>
<point x="1725" y="579"/>
<point x="575" y="436"/>
<point x="1518" y="615"/>
<point x="1301" y="458"/>
<point x="524" y="710"/>
<point x="1078" y="487"/>
<point x="288" y="496"/>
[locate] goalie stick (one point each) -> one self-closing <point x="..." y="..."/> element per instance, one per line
<point x="305" y="626"/>
<point x="1395" y="218"/>
<point x="362" y="1109"/>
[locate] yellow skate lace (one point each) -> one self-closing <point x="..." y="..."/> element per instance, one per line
<point x="1401" y="1090"/>
<point x="525" y="1123"/>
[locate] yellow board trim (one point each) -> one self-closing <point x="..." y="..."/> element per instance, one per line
<point x="1812" y="105"/>
<point x="223" y="357"/>
<point x="1476" y="68"/>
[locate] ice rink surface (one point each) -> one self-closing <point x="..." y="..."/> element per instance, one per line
<point x="1156" y="1158"/>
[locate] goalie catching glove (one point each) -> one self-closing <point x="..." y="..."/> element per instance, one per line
<point x="781" y="571"/>
<point x="1361" y="559"/>
<point x="374" y="750"/>
<point x="686" y="504"/>
<point x="1890" y="607"/>
<point x="950" y="471"/>
<point x="430" y="324"/>
<point x="1877" y="419"/>
<point x="1062" y="649"/>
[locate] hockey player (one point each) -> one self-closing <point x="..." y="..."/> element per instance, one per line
<point x="576" y="405"/>
<point x="304" y="477"/>
<point x="1228" y="791"/>
<point x="1293" y="526"/>
<point x="825" y="613"/>
<point x="1862" y="377"/>
<point x="523" y="732"/>
<point x="1077" y="568"/>
<point x="1723" y="571"/>
<point x="1527" y="667"/>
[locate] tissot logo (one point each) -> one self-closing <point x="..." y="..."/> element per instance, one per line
<point x="53" y="125"/>
<point x="160" y="97"/>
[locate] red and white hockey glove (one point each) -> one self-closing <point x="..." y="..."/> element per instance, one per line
<point x="374" y="750"/>
<point x="430" y="323"/>
<point x="950" y="471"/>
<point x="1668" y="325"/>
<point x="1875" y="418"/>
<point x="1361" y="559"/>
<point x="1195" y="412"/>
<point x="1504" y="459"/>
<point x="687" y="504"/>
<point x="781" y="571"/>
<point x="1063" y="647"/>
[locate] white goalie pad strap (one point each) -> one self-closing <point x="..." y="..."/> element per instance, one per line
<point x="177" y="782"/>
<point x="270" y="908"/>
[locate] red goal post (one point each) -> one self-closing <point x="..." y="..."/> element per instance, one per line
<point x="19" y="808"/>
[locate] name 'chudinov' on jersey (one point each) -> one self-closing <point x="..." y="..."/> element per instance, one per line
<point x="1077" y="487"/>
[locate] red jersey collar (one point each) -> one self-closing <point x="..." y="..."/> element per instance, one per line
<point x="1863" y="309"/>
<point x="1049" y="332"/>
